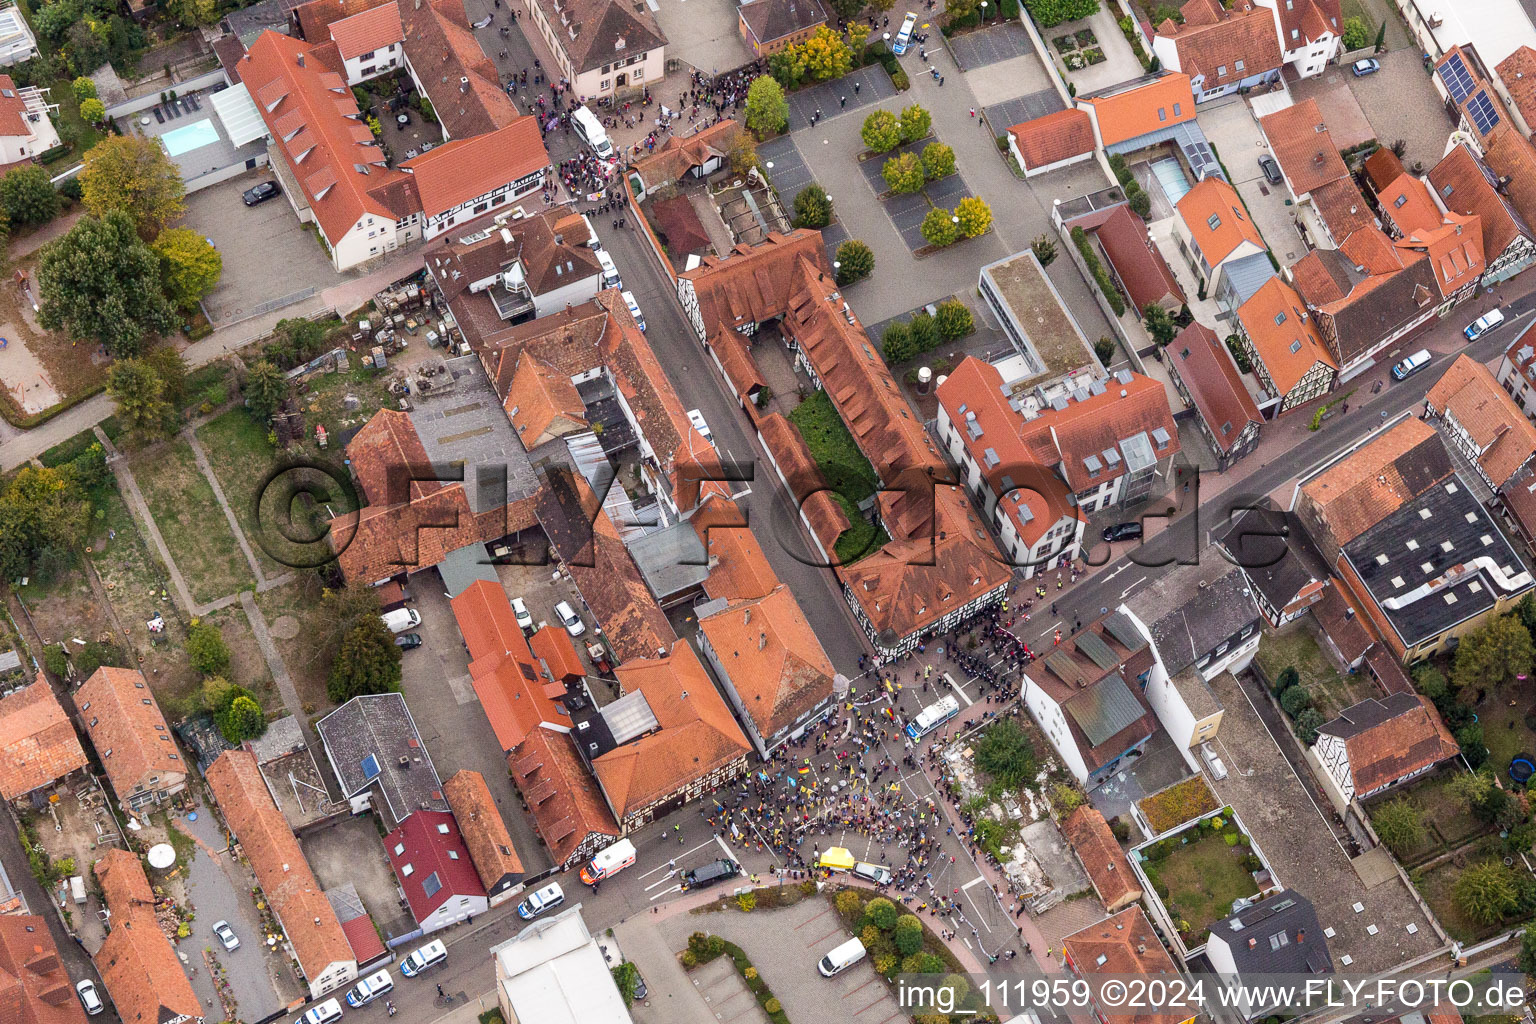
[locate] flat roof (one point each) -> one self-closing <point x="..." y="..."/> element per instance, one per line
<point x="1055" y="343"/>
<point x="466" y="426"/>
<point x="1495" y="28"/>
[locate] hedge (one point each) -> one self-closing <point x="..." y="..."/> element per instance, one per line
<point x="1095" y="268"/>
<point x="704" y="948"/>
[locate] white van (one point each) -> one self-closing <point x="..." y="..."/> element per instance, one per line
<point x="321" y="1013"/>
<point x="430" y="955"/>
<point x="401" y="619"/>
<point x="549" y="896"/>
<point x="610" y="860"/>
<point x="611" y="277"/>
<point x="590" y="130"/>
<point x="634" y="310"/>
<point x="841" y="958"/>
<point x="1413" y="364"/>
<point x="370" y="988"/>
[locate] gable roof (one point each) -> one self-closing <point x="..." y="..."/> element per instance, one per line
<point x="463" y="168"/>
<point x="602" y="31"/>
<point x="1466" y="185"/>
<point x="697" y="733"/>
<point x="137" y="964"/>
<point x="1389" y="738"/>
<point x="1056" y="136"/>
<point x="1303" y="146"/>
<point x="1310" y="20"/>
<point x="1095" y="845"/>
<point x="37" y="742"/>
<point x="566" y="804"/>
<point x="1276" y="321"/>
<point x="1407" y="205"/>
<point x="770" y="20"/>
<point x="738" y="569"/>
<point x="1136" y="261"/>
<point x="1375" y="480"/>
<point x="279" y="864"/>
<point x="1468" y="392"/>
<point x="678" y="155"/>
<point x="1518" y="73"/>
<point x="34" y="985"/>
<point x="431" y="862"/>
<point x="315" y="17"/>
<point x="542" y="403"/>
<point x="1214" y="216"/>
<point x="771" y="658"/>
<point x="383" y="453"/>
<point x="1119" y="422"/>
<point x="1123" y="945"/>
<point x="126" y="728"/>
<point x="1213" y="383"/>
<point x="1364" y="306"/>
<point x="515" y="696"/>
<point x="753" y="284"/>
<point x="1142" y="107"/>
<point x="445" y="52"/>
<point x="1511" y="156"/>
<point x="366" y="31"/>
<point x="1278" y="935"/>
<point x="1454" y="249"/>
<point x="1213" y="40"/>
<point x="483" y="829"/>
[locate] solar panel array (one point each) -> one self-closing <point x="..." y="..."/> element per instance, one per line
<point x="1480" y="108"/>
<point x="1457" y="78"/>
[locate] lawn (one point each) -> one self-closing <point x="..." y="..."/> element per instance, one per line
<point x="1436" y="883"/>
<point x="847" y="471"/>
<point x="1502" y="713"/>
<point x="1448" y="822"/>
<point x="1356" y="9"/>
<point x="1296" y="646"/>
<point x="307" y="661"/>
<point x="1202" y="878"/>
<point x="194" y="527"/>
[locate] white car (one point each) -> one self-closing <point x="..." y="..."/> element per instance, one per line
<point x="520" y="612"/>
<point x="569" y="619"/>
<point x="86" y="990"/>
<point x="227" y="936"/>
<point x="1483" y="324"/>
<point x="321" y="1013"/>
<point x="697" y="419"/>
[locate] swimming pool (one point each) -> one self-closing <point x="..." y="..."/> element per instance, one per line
<point x="190" y="136"/>
<point x="1171" y="176"/>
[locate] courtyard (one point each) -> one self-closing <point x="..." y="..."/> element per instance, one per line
<point x="1200" y="872"/>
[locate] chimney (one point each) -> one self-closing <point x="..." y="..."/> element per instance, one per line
<point x="301" y="60"/>
<point x="762" y="640"/>
<point x="1252" y="942"/>
<point x="685" y="695"/>
<point x="464" y="83"/>
<point x="1301" y="935"/>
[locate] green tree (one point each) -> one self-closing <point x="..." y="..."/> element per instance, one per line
<point x="812" y="207"/>
<point x="1356" y="33"/>
<point x="916" y="123"/>
<point x="93" y="111"/>
<point x="366" y="662"/>
<point x="191" y="265"/>
<point x="1159" y="323"/>
<point x="83" y="88"/>
<point x="28" y="196"/>
<point x="264" y="388"/>
<point x="975" y="216"/>
<point x="1104" y="348"/>
<point x="939" y="229"/>
<point x="954" y="319"/>
<point x="133" y="175"/>
<point x="86" y="45"/>
<point x="140" y="396"/>
<point x="742" y="154"/>
<point x="1493" y="653"/>
<point x="908" y="935"/>
<point x="1295" y="700"/>
<point x="1471" y="789"/>
<point x="206" y="649"/>
<point x="882" y="913"/>
<point x="1381" y="37"/>
<point x="855" y="261"/>
<point x="1307" y="724"/>
<point x="903" y="174"/>
<point x="626" y="976"/>
<point x="896" y="344"/>
<point x="938" y="161"/>
<point x="100" y="283"/>
<point x="881" y="131"/>
<point x="242" y="720"/>
<point x="925" y="332"/>
<point x="1044" y="250"/>
<point x="1486" y="892"/>
<point x="1287" y="678"/>
<point x="1400" y="825"/>
<point x="192" y="13"/>
<point x="1004" y="752"/>
<point x="41" y="510"/>
<point x="1049" y="13"/>
<point x="1527" y="956"/>
<point x="767" y="109"/>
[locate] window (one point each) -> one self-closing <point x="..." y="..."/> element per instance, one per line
<point x="1296" y="345"/>
<point x="443" y="829"/>
<point x="366" y="56"/>
<point x="1178" y="109"/>
<point x="408" y="870"/>
<point x="1162" y="113"/>
<point x="453" y="854"/>
<point x="604" y="84"/>
<point x="399" y="849"/>
<point x="1294" y="34"/>
<point x="636" y="75"/>
<point x="1280" y="318"/>
<point x="1221" y="72"/>
<point x="1214" y="221"/>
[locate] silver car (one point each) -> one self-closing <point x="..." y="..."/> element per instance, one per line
<point x="86" y="990"/>
<point x="227" y="936"/>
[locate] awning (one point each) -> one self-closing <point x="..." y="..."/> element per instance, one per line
<point x="838" y="859"/>
<point x="238" y="114"/>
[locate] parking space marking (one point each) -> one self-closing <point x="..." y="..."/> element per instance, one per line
<point x="667" y="892"/>
<point x="647" y="874"/>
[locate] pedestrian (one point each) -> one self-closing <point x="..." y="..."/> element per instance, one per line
<point x="439" y="991"/>
<point x="941" y="81"/>
<point x="855" y="88"/>
<point x="842" y="101"/>
<point x="973" y="111"/>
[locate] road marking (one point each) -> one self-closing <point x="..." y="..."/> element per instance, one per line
<point x="667" y="892"/>
<point x="683" y="854"/>
<point x="975" y="881"/>
<point x="1132" y="587"/>
<point x="662" y="881"/>
<point x="1117" y="572"/>
<point x="953" y="686"/>
<point x="727" y="849"/>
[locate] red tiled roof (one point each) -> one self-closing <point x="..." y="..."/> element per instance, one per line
<point x="542" y="403"/>
<point x="1311" y="19"/>
<point x="1462" y="183"/>
<point x="1095" y="845"/>
<point x="279" y="864"/>
<point x="1342" y="208"/>
<point x="438" y="38"/>
<point x="1213" y="383"/>
<point x="1407" y="205"/>
<point x="385" y="540"/>
<point x="483" y="828"/>
<point x="1213" y="201"/>
<point x="369" y="30"/>
<point x="678" y="223"/>
<point x="771" y="657"/>
<point x="678" y="155"/>
<point x="553" y="646"/>
<point x="1454" y="249"/>
<point x="1213" y="39"/>
<point x="563" y="797"/>
<point x="127" y="729"/>
<point x="1302" y="145"/>
<point x="1382" y="168"/>
<point x="363" y="937"/>
<point x="698" y="735"/>
<point x="138" y="966"/>
<point x="384" y="453"/>
<point x="1123" y="945"/>
<point x="315" y="17"/>
<point x="1056" y="136"/>
<point x="1519" y="500"/>
<point x="1510" y="155"/>
<point x="1136" y="261"/>
<point x="1284" y="335"/>
<point x="1470" y="395"/>
<point x="753" y="284"/>
<point x="1126" y="113"/>
<point x="1518" y="73"/>
<point x="430" y="852"/>
<point x="738" y="568"/>
<point x="513" y="692"/>
<point x="37" y="742"/>
<point x="464" y="168"/>
<point x="34" y="985"/>
<point x="1407" y="742"/>
<point x="1371" y="483"/>
<point x="1062" y="437"/>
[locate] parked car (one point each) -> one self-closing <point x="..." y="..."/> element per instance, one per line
<point x="706" y="875"/>
<point x="401" y="619"/>
<point x="697" y="419"/>
<point x="640" y="990"/>
<point x="1271" y="170"/>
<point x="1369" y="66"/>
<point x="1482" y="325"/>
<point x="86" y="990"/>
<point x="227" y="936"/>
<point x="569" y="619"/>
<point x="408" y="641"/>
<point x="634" y="310"/>
<point x="520" y="612"/>
<point x="1122" y="531"/>
<point x="549" y="896"/>
<point x="260" y="193"/>
<point x="1213" y="761"/>
<point x="321" y="1013"/>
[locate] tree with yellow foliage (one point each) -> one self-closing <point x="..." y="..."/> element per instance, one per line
<point x="975" y="216"/>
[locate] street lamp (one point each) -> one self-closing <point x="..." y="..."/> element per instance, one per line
<point x="983" y="10"/>
<point x="770" y="165"/>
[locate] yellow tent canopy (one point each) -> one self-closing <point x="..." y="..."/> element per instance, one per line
<point x="838" y="859"/>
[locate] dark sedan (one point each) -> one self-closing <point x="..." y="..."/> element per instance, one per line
<point x="1122" y="531"/>
<point x="260" y="193"/>
<point x="408" y="641"/>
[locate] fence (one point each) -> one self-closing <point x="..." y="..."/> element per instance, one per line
<point x="152" y="97"/>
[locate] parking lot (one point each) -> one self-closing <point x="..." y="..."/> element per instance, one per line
<point x="788" y="173"/>
<point x="268" y="255"/>
<point x="991" y="46"/>
<point x="839" y="96"/>
<point x="907" y="211"/>
<point x="702" y="34"/>
<point x="351" y="850"/>
<point x="1397" y="102"/>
